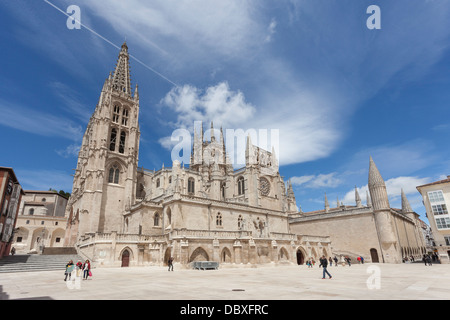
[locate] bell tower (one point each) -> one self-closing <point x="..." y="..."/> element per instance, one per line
<point x="105" y="179"/>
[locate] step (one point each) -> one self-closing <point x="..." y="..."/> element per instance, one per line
<point x="22" y="263"/>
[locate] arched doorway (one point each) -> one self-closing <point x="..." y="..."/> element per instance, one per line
<point x="374" y="255"/>
<point x="300" y="257"/>
<point x="125" y="258"/>
<point x="225" y="256"/>
<point x="199" y="254"/>
<point x="283" y="255"/>
<point x="167" y="255"/>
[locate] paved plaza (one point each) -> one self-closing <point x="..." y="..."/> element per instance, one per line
<point x="368" y="281"/>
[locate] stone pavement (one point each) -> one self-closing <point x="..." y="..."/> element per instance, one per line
<point x="358" y="282"/>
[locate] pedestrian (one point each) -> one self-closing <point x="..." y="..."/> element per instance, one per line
<point x="331" y="262"/>
<point x="359" y="259"/>
<point x="79" y="266"/>
<point x="362" y="260"/>
<point x="335" y="261"/>
<point x="424" y="259"/>
<point x="170" y="263"/>
<point x="349" y="261"/>
<point x="429" y="260"/>
<point x="86" y="270"/>
<point x="13" y="251"/>
<point x="324" y="263"/>
<point x="69" y="268"/>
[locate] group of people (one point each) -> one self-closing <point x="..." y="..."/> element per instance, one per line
<point x="311" y="262"/>
<point x="80" y="267"/>
<point x="428" y="260"/>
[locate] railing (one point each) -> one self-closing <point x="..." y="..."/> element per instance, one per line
<point x="210" y="234"/>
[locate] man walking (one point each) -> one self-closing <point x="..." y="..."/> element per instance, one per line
<point x="170" y="263"/>
<point x="324" y="263"/>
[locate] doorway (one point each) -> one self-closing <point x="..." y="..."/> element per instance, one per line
<point x="300" y="257"/>
<point x="126" y="258"/>
<point x="374" y="255"/>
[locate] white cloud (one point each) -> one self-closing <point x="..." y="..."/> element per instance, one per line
<point x="218" y="103"/>
<point x="317" y="181"/>
<point x="271" y="30"/>
<point x="70" y="151"/>
<point x="393" y="188"/>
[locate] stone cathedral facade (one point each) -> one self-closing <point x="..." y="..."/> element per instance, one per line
<point x="121" y="214"/>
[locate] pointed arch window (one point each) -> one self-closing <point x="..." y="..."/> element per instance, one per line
<point x="114" y="174"/>
<point x="240" y="222"/>
<point x="112" y="140"/>
<point x="125" y="117"/>
<point x="222" y="190"/>
<point x="116" y="114"/>
<point x="241" y="186"/>
<point x="122" y="142"/>
<point x="158" y="183"/>
<point x="191" y="185"/>
<point x="156" y="220"/>
<point x="219" y="219"/>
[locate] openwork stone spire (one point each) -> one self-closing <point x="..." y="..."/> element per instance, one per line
<point x="121" y="81"/>
<point x="357" y="198"/>
<point x="406" y="207"/>
<point x="377" y="188"/>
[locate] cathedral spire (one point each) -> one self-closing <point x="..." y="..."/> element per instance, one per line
<point x="377" y="188"/>
<point x="357" y="198"/>
<point x="406" y="207"/>
<point x="121" y="81"/>
<point x="327" y="205"/>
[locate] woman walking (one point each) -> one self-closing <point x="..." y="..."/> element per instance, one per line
<point x="86" y="270"/>
<point x="69" y="268"/>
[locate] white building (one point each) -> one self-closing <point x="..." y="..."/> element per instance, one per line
<point x="436" y="197"/>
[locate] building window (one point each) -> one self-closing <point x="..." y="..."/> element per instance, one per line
<point x="447" y="240"/>
<point x="19" y="239"/>
<point x="170" y="179"/>
<point x="124" y="117"/>
<point x="114" y="173"/>
<point x="28" y="222"/>
<point x="191" y="185"/>
<point x="443" y="223"/>
<point x="42" y="222"/>
<point x="122" y="142"/>
<point x="436" y="196"/>
<point x="241" y="186"/>
<point x="240" y="222"/>
<point x="43" y="200"/>
<point x="56" y="223"/>
<point x="219" y="220"/>
<point x="57" y="240"/>
<point x="158" y="182"/>
<point x="222" y="190"/>
<point x="116" y="114"/>
<point x="156" y="220"/>
<point x="31" y="212"/>
<point x="439" y="209"/>
<point x="112" y="140"/>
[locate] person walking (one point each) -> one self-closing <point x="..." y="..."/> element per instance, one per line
<point x="331" y="262"/>
<point x="335" y="261"/>
<point x="69" y="268"/>
<point x="170" y="263"/>
<point x="324" y="263"/>
<point x="429" y="260"/>
<point x="86" y="270"/>
<point x="79" y="266"/>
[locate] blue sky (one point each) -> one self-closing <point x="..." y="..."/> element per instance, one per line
<point x="337" y="92"/>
